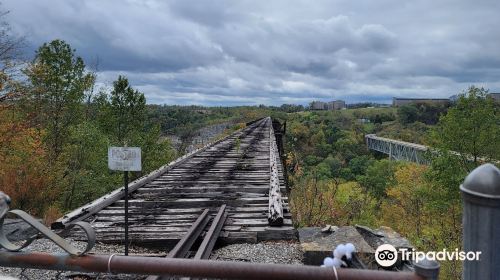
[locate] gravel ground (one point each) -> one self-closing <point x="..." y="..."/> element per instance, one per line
<point x="282" y="252"/>
<point x="44" y="245"/>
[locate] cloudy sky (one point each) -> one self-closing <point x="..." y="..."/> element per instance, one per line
<point x="274" y="52"/>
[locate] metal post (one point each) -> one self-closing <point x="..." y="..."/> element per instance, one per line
<point x="125" y="179"/>
<point x="428" y="269"/>
<point x="481" y="222"/>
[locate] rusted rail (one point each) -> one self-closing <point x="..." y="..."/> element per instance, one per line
<point x="213" y="233"/>
<point x="192" y="268"/>
<point x="181" y="250"/>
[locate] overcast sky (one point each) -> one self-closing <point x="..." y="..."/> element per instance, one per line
<point x="274" y="52"/>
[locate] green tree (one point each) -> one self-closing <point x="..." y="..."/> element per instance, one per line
<point x="123" y="117"/>
<point x="58" y="81"/>
<point x="407" y="114"/>
<point x="156" y="151"/>
<point x="378" y="177"/>
<point x="465" y="137"/>
<point x="127" y="108"/>
<point x="85" y="165"/>
<point x="124" y="112"/>
<point x="470" y="128"/>
<point x="360" y="164"/>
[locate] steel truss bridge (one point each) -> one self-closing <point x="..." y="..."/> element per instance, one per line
<point x="397" y="150"/>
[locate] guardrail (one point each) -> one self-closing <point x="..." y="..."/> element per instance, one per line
<point x="199" y="268"/>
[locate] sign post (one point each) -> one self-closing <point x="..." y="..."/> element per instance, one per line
<point x="125" y="184"/>
<point x="125" y="159"/>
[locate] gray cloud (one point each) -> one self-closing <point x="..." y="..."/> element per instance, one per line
<point x="225" y="52"/>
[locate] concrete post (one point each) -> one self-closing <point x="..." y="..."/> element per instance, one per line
<point x="427" y="269"/>
<point x="481" y="222"/>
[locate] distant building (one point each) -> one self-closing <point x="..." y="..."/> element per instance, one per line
<point x="495" y="96"/>
<point x="336" y="105"/>
<point x="397" y="102"/>
<point x="318" y="105"/>
<point x="332" y="105"/>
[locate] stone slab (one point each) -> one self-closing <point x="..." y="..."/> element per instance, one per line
<point x="383" y="235"/>
<point x="317" y="245"/>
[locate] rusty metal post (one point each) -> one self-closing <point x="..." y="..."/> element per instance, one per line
<point x="481" y="222"/>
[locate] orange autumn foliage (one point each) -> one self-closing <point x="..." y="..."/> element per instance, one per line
<point x="24" y="174"/>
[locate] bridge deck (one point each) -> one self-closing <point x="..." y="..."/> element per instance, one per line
<point x="232" y="172"/>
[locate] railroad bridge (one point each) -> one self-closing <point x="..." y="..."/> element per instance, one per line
<point x="242" y="173"/>
<point x="397" y="150"/>
<point x="407" y="151"/>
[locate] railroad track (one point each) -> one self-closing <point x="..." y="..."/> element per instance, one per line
<point x="182" y="248"/>
<point x="239" y="173"/>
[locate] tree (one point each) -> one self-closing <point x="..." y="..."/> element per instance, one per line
<point x="423" y="211"/>
<point x="404" y="208"/>
<point x="122" y="116"/>
<point x="24" y="174"/>
<point x="10" y="53"/>
<point x="127" y="111"/>
<point x="156" y="151"/>
<point x="407" y="114"/>
<point x="360" y="164"/>
<point x="471" y="129"/>
<point x="378" y="177"/>
<point x="465" y="137"/>
<point x="84" y="162"/>
<point x="58" y="81"/>
<point x="421" y="112"/>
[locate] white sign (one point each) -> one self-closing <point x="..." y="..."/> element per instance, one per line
<point x="124" y="158"/>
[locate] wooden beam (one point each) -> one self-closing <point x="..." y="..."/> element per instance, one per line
<point x="275" y="216"/>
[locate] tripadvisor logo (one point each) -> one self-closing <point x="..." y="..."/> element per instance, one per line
<point x="386" y="255"/>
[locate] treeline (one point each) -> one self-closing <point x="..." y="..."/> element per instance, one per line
<point x="184" y="122"/>
<point x="422" y="112"/>
<point x="55" y="129"/>
<point x="336" y="180"/>
<point x="181" y="120"/>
